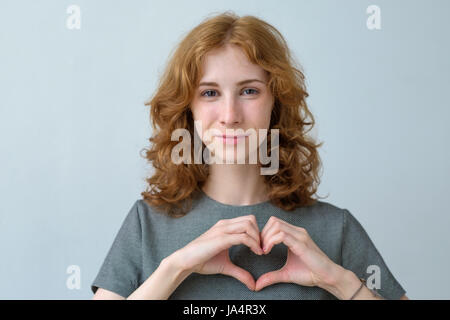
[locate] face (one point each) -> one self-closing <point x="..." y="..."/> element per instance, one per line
<point x="222" y="101"/>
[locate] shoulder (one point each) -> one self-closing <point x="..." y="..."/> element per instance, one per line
<point x="147" y="212"/>
<point x="319" y="217"/>
<point x="143" y="209"/>
<point x="326" y="207"/>
<point x="142" y="206"/>
<point x="325" y="211"/>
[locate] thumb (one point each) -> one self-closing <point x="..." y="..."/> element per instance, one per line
<point x="270" y="278"/>
<point x="240" y="274"/>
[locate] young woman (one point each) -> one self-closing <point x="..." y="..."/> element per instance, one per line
<point x="223" y="229"/>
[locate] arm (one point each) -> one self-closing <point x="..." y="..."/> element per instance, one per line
<point x="159" y="286"/>
<point x="207" y="254"/>
<point x="163" y="282"/>
<point x="347" y="283"/>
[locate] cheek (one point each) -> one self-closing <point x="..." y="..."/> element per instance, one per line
<point x="259" y="115"/>
<point x="205" y="115"/>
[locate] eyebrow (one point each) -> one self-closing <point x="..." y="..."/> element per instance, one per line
<point x="214" y="84"/>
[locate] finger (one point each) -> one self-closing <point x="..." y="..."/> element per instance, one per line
<point x="276" y="227"/>
<point x="266" y="226"/>
<point x="270" y="278"/>
<point x="279" y="237"/>
<point x="243" y="226"/>
<point x="244" y="238"/>
<point x="269" y="224"/>
<point x="240" y="274"/>
<point x="250" y="217"/>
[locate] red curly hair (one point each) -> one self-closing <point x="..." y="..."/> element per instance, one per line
<point x="172" y="187"/>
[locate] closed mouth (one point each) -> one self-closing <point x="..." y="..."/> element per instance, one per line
<point x="231" y="137"/>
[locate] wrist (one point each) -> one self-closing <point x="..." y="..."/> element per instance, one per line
<point x="162" y="282"/>
<point x="175" y="266"/>
<point x="343" y="284"/>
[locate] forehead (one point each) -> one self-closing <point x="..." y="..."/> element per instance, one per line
<point x="229" y="63"/>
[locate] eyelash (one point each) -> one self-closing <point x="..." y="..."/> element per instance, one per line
<point x="202" y="94"/>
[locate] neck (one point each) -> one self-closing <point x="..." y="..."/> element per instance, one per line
<point x="235" y="184"/>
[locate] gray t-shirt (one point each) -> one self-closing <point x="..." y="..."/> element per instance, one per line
<point x="147" y="236"/>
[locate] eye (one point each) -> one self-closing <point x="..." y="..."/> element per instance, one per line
<point x="203" y="94"/>
<point x="252" y="89"/>
<point x="206" y="91"/>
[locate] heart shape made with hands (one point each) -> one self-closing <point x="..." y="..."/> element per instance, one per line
<point x="258" y="265"/>
<point x="291" y="256"/>
<point x="242" y="256"/>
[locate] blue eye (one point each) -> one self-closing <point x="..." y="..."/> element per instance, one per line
<point x="208" y="96"/>
<point x="251" y="89"/>
<point x="203" y="94"/>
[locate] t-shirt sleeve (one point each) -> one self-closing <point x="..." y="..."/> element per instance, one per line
<point x="122" y="266"/>
<point x="360" y="255"/>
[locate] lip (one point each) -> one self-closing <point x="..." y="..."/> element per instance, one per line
<point x="231" y="140"/>
<point x="225" y="136"/>
<point x="231" y="137"/>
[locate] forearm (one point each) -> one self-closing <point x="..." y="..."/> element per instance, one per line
<point x="346" y="284"/>
<point x="162" y="282"/>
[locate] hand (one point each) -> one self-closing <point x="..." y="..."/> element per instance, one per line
<point x="306" y="264"/>
<point x="208" y="254"/>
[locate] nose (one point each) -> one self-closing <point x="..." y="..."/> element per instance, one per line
<point x="230" y="113"/>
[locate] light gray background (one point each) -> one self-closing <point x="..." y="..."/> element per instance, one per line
<point x="73" y="120"/>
